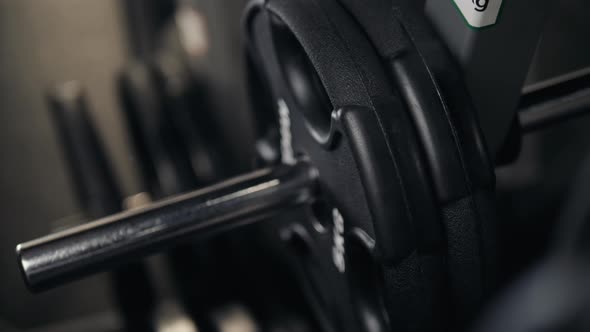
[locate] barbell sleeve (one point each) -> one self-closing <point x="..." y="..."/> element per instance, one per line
<point x="108" y="242"/>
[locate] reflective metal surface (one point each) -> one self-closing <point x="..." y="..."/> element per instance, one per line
<point x="107" y="242"/>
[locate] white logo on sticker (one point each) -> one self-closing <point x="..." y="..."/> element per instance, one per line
<point x="479" y="13"/>
<point x="338" y="248"/>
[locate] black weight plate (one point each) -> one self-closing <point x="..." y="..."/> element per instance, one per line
<point x="445" y="118"/>
<point x="361" y="156"/>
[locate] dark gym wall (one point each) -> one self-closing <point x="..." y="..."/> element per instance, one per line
<point x="42" y="42"/>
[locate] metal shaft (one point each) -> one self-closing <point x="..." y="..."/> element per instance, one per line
<point x="108" y="242"/>
<point x="554" y="101"/>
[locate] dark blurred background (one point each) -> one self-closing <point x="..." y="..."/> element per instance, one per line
<point x="47" y="42"/>
<point x="50" y="41"/>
